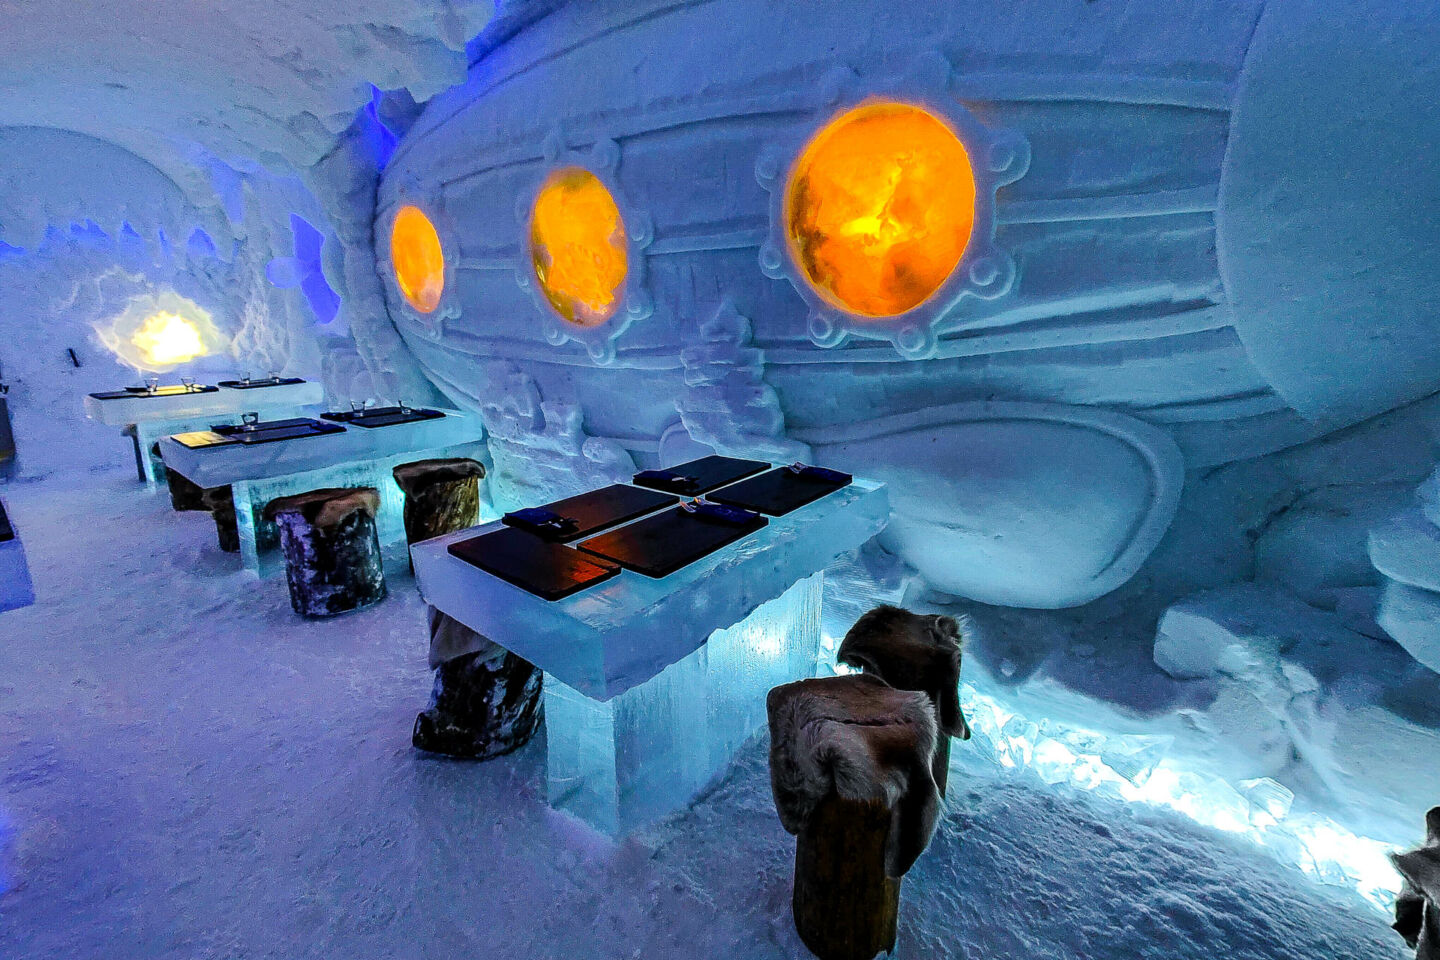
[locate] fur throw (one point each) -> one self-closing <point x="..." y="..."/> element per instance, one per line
<point x="911" y="651"/>
<point x="860" y="739"/>
<point x="1417" y="908"/>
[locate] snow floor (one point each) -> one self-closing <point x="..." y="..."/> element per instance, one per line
<point x="188" y="770"/>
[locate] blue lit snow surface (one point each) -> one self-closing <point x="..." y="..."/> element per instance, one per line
<point x="187" y="770"/>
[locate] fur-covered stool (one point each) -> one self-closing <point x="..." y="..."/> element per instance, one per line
<point x="850" y="766"/>
<point x="1417" y="908"/>
<point x="441" y="496"/>
<point x="332" y="549"/>
<point x="911" y="651"/>
<point x="486" y="700"/>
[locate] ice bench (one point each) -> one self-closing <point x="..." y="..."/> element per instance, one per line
<point x="652" y="684"/>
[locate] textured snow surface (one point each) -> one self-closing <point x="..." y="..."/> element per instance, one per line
<point x="189" y="770"/>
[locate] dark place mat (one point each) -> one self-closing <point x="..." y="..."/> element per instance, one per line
<point x="698" y="476"/>
<point x="7" y="532"/>
<point x="658" y="546"/>
<point x="138" y="393"/>
<point x="778" y="492"/>
<point x="594" y="511"/>
<point x="548" y="570"/>
<point x="256" y="384"/>
<point x="273" y="430"/>
<point x="382" y="416"/>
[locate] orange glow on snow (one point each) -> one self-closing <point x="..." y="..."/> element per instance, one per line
<point x="577" y="245"/>
<point x="880" y="207"/>
<point x="418" y="259"/>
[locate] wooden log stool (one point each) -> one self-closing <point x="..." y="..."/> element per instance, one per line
<point x="332" y="549"/>
<point x="441" y="496"/>
<point x="1417" y="908"/>
<point x="184" y="494"/>
<point x="486" y="700"/>
<point x="850" y="762"/>
<point x="220" y="501"/>
<point x="911" y="651"/>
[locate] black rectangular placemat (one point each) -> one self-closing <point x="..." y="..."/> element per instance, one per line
<point x="599" y="509"/>
<point x="256" y="384"/>
<point x="7" y="532"/>
<point x="140" y="393"/>
<point x="274" y="430"/>
<point x="382" y="416"/>
<point x="778" y="492"/>
<point x="548" y="570"/>
<point x="658" y="546"/>
<point x="698" y="476"/>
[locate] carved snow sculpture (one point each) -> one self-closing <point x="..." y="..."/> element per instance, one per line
<point x="850" y="762"/>
<point x="1406" y="551"/>
<point x="1118" y="300"/>
<point x="1287" y="691"/>
<point x="914" y="652"/>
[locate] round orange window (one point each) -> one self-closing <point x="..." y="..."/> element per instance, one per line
<point x="577" y="245"/>
<point x="418" y="259"/>
<point x="879" y="208"/>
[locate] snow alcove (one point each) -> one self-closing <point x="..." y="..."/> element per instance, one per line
<point x="452" y="454"/>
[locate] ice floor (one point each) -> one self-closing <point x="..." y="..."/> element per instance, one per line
<point x="187" y="770"/>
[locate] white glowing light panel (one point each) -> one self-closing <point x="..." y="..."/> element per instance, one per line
<point x="650" y="685"/>
<point x="215" y="403"/>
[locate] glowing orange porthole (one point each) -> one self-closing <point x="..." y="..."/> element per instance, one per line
<point x="879" y="208"/>
<point x="577" y="246"/>
<point x="418" y="258"/>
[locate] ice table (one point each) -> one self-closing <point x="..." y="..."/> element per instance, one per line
<point x="15" y="587"/>
<point x="651" y="685"/>
<point x="355" y="457"/>
<point x="147" y="419"/>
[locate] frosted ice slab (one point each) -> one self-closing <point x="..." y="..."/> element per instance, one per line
<point x="620" y="763"/>
<point x="188" y="406"/>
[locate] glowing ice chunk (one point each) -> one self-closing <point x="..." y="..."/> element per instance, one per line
<point x="1269" y="801"/>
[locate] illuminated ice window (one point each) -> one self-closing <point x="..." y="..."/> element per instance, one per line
<point x="418" y="259"/>
<point x="879" y="208"/>
<point x="577" y="245"/>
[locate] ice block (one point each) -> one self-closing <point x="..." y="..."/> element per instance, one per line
<point x="15" y="588"/>
<point x="353" y="458"/>
<point x="650" y="684"/>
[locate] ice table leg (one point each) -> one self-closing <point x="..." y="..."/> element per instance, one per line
<point x="624" y="762"/>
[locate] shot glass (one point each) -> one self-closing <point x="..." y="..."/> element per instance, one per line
<point x="188" y="383"/>
<point x="152" y="384"/>
<point x="249" y="420"/>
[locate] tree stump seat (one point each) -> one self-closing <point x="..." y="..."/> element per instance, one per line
<point x="485" y="703"/>
<point x="220" y="501"/>
<point x="331" y="545"/>
<point x="911" y="651"/>
<point x="850" y="768"/>
<point x="441" y="495"/>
